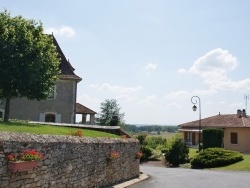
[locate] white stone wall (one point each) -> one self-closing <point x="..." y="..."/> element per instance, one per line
<point x="70" y="161"/>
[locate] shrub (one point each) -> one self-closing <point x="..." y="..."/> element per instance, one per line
<point x="147" y="152"/>
<point x="215" y="157"/>
<point x="155" y="141"/>
<point x="212" y="137"/>
<point x="177" y="152"/>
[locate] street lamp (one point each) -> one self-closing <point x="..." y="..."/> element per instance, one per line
<point x="194" y="101"/>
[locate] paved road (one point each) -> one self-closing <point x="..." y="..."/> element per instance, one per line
<point x="161" y="177"/>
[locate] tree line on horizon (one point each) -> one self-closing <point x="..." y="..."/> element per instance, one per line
<point x="149" y="128"/>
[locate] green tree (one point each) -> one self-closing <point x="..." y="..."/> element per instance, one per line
<point x="177" y="152"/>
<point x="110" y="114"/>
<point x="29" y="63"/>
<point x="142" y="138"/>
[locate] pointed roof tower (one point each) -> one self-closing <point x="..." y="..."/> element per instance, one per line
<point x="67" y="71"/>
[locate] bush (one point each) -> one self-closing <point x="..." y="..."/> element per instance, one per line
<point x="212" y="137"/>
<point x="177" y="152"/>
<point x="215" y="157"/>
<point x="155" y="141"/>
<point x="147" y="152"/>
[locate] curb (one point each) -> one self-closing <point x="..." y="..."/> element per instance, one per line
<point x="133" y="181"/>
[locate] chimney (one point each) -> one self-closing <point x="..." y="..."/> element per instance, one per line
<point x="239" y="113"/>
<point x="244" y="114"/>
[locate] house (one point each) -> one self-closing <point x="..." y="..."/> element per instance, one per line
<point x="236" y="129"/>
<point x="59" y="107"/>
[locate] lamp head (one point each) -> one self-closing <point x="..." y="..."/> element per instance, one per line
<point x="194" y="108"/>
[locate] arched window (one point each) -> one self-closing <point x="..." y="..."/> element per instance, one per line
<point x="50" y="118"/>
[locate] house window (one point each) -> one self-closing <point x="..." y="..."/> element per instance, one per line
<point x="234" y="138"/>
<point x="52" y="94"/>
<point x="50" y="118"/>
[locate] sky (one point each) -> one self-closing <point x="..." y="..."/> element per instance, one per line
<point x="152" y="56"/>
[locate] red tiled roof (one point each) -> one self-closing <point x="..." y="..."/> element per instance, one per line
<point x="220" y="121"/>
<point x="67" y="71"/>
<point x="80" y="109"/>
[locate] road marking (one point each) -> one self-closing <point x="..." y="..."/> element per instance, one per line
<point x="152" y="181"/>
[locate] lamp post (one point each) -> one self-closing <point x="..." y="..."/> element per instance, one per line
<point x="194" y="101"/>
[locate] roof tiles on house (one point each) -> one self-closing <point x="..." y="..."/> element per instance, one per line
<point x="67" y="71"/>
<point x="220" y="121"/>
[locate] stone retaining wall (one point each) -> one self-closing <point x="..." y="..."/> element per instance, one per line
<point x="69" y="161"/>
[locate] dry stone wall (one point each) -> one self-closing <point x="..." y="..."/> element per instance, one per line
<point x="69" y="161"/>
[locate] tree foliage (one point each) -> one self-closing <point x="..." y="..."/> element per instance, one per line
<point x="142" y="138"/>
<point x="155" y="141"/>
<point x="150" y="128"/>
<point x="109" y="109"/>
<point x="177" y="152"/>
<point x="28" y="60"/>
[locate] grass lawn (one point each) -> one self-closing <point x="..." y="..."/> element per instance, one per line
<point x="240" y="166"/>
<point x="23" y="127"/>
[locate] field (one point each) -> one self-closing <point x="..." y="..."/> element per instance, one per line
<point x="166" y="135"/>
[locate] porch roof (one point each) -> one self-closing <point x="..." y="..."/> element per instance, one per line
<point x="81" y="109"/>
<point x="189" y="130"/>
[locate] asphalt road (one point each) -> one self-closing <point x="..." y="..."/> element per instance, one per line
<point x="160" y="177"/>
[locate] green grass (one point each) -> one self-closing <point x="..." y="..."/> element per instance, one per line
<point x="24" y="127"/>
<point x="193" y="152"/>
<point x="166" y="135"/>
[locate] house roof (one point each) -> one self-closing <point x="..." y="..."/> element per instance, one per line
<point x="220" y="121"/>
<point x="67" y="71"/>
<point x="80" y="109"/>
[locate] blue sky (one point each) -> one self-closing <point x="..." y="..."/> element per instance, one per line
<point x="152" y="55"/>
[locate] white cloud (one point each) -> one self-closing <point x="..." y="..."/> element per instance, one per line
<point x="178" y="94"/>
<point x="217" y="60"/>
<point x="88" y="99"/>
<point x="173" y="105"/>
<point x="124" y="98"/>
<point x="116" y="88"/>
<point x="149" y="100"/>
<point x="151" y="66"/>
<point x="108" y="87"/>
<point x="214" y="66"/>
<point x="182" y="71"/>
<point x="205" y="92"/>
<point x="62" y="31"/>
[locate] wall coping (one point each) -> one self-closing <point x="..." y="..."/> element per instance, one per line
<point x="47" y="138"/>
